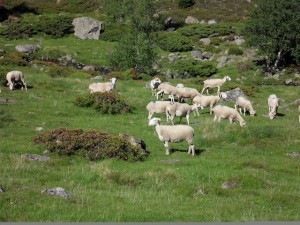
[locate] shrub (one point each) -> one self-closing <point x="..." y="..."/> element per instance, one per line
<point x="174" y="42"/>
<point x="56" y="27"/>
<point x="194" y="68"/>
<point x="234" y="50"/>
<point x="50" y="54"/>
<point x="185" y="3"/>
<point x="17" y="59"/>
<point x="93" y="145"/>
<point x="106" y="103"/>
<point x="58" y="71"/>
<point x="203" y="31"/>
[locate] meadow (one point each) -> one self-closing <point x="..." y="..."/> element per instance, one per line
<point x="162" y="188"/>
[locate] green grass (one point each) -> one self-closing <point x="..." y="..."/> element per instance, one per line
<point x="110" y="190"/>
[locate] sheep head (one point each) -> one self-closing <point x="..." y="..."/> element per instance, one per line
<point x="154" y="121"/>
<point x="223" y="95"/>
<point x="227" y="78"/>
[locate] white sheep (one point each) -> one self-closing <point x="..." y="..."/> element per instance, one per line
<point x="103" y="87"/>
<point x="211" y="83"/>
<point x="242" y="102"/>
<point x="179" y="109"/>
<point x="225" y="112"/>
<point x="187" y="93"/>
<point x="208" y="101"/>
<point x="156" y="107"/>
<point x="273" y="104"/>
<point x="154" y="85"/>
<point x="180" y="85"/>
<point x="167" y="89"/>
<point x="174" y="133"/>
<point x="15" y="76"/>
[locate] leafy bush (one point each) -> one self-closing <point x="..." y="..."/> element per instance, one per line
<point x="194" y="68"/>
<point x="203" y="31"/>
<point x="106" y="103"/>
<point x="234" y="50"/>
<point x="174" y="42"/>
<point x="185" y="3"/>
<point x="56" y="27"/>
<point x="93" y="145"/>
<point x="58" y="71"/>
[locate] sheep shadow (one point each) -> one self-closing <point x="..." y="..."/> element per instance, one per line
<point x="197" y="151"/>
<point x="280" y="115"/>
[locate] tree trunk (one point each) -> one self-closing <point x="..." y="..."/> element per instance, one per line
<point x="279" y="55"/>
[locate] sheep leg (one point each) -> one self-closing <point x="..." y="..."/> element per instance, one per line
<point x="244" y="111"/>
<point x="218" y="90"/>
<point x="172" y="99"/>
<point x="167" y="148"/>
<point x="215" y="118"/>
<point x="210" y="110"/>
<point x="187" y="119"/>
<point x="158" y="93"/>
<point x="219" y="119"/>
<point x="24" y="84"/>
<point x="150" y="116"/>
<point x="203" y="90"/>
<point x="230" y="120"/>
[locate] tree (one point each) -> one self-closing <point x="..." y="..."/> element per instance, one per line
<point x="274" y="28"/>
<point x="185" y="3"/>
<point x="136" y="49"/>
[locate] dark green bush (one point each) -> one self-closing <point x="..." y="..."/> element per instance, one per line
<point x="93" y="145"/>
<point x="204" y="30"/>
<point x="194" y="68"/>
<point x="52" y="54"/>
<point x="56" y="27"/>
<point x="234" y="50"/>
<point x="106" y="103"/>
<point x="17" y="59"/>
<point x="185" y="3"/>
<point x="59" y="71"/>
<point x="174" y="42"/>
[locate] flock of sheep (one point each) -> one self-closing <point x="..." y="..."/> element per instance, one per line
<point x="177" y="133"/>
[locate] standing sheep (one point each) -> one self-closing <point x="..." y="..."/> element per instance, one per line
<point x="179" y="109"/>
<point x="211" y="83"/>
<point x="242" y="102"/>
<point x="15" y="76"/>
<point x="187" y="93"/>
<point x="225" y="112"/>
<point x="167" y="89"/>
<point x="205" y="101"/>
<point x="157" y="107"/>
<point x="154" y="85"/>
<point x="103" y="87"/>
<point x="174" y="133"/>
<point x="273" y="104"/>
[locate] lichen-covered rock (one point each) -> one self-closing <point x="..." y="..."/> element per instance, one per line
<point x="57" y="191"/>
<point x="27" y="48"/>
<point x="87" y="28"/>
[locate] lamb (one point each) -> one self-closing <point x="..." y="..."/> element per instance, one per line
<point x="157" y="107"/>
<point x="103" y="87"/>
<point x="242" y="102"/>
<point x="167" y="89"/>
<point x="15" y="76"/>
<point x="179" y="109"/>
<point x="187" y="93"/>
<point x="205" y="101"/>
<point x="273" y="104"/>
<point x="154" y="85"/>
<point x="225" y="112"/>
<point x="211" y="83"/>
<point x="174" y="133"/>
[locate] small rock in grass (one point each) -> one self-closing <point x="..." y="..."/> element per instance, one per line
<point x="38" y="129"/>
<point x="57" y="191"/>
<point x="293" y="154"/>
<point x="36" y="157"/>
<point x="229" y="185"/>
<point x="1" y="189"/>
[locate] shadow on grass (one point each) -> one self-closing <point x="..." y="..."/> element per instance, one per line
<point x="197" y="151"/>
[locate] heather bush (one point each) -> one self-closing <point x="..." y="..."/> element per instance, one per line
<point x="59" y="71"/>
<point x="203" y="31"/>
<point x="16" y="59"/>
<point x="235" y="50"/>
<point x="106" y="103"/>
<point x="194" y="68"/>
<point x="94" y="145"/>
<point x="174" y="42"/>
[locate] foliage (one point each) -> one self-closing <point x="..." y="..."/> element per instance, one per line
<point x="194" y="68"/>
<point x="235" y="50"/>
<point x="105" y="103"/>
<point x="271" y="29"/>
<point x="49" y="54"/>
<point x="94" y="145"/>
<point x="17" y="59"/>
<point x="185" y="3"/>
<point x="203" y="30"/>
<point x="56" y="71"/>
<point x="174" y="42"/>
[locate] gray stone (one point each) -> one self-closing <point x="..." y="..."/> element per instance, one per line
<point x="232" y="95"/>
<point x="57" y="191"/>
<point x="224" y="61"/>
<point x="288" y="81"/>
<point x="191" y="20"/>
<point x="196" y="54"/>
<point x="1" y="189"/>
<point x="27" y="48"/>
<point x="38" y="129"/>
<point x="205" y="41"/>
<point x="229" y="185"/>
<point x="207" y="55"/>
<point x="87" y="28"/>
<point x="87" y="68"/>
<point x="293" y="154"/>
<point x="97" y="78"/>
<point x="212" y="22"/>
<point x="36" y="157"/>
<point x="239" y="41"/>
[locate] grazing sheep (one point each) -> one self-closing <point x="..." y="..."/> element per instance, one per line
<point x="103" y="87"/>
<point x="187" y="93"/>
<point x="174" y="133"/>
<point x="180" y="85"/>
<point x="211" y="83"/>
<point x="15" y="76"/>
<point x="273" y="104"/>
<point x="167" y="89"/>
<point x="157" y="107"/>
<point x="242" y="102"/>
<point x="205" y="101"/>
<point x="154" y="85"/>
<point x="225" y="112"/>
<point x="179" y="109"/>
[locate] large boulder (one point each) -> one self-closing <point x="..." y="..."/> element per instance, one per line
<point x="27" y="48"/>
<point x="87" y="28"/>
<point x="233" y="94"/>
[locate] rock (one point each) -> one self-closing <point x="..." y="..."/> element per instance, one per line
<point x="224" y="61"/>
<point x="38" y="129"/>
<point x="87" y="68"/>
<point x="232" y="95"/>
<point x="239" y="41"/>
<point x="288" y="82"/>
<point x="293" y="154"/>
<point x="1" y="189"/>
<point x="207" y="56"/>
<point x="87" y="28"/>
<point x="172" y="56"/>
<point x="196" y="54"/>
<point x="57" y="191"/>
<point x="135" y="142"/>
<point x="205" y="41"/>
<point x="191" y="20"/>
<point x="27" y="48"/>
<point x="97" y="78"/>
<point x="229" y="185"/>
<point x="36" y="157"/>
<point x="2" y="51"/>
<point x="211" y="22"/>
